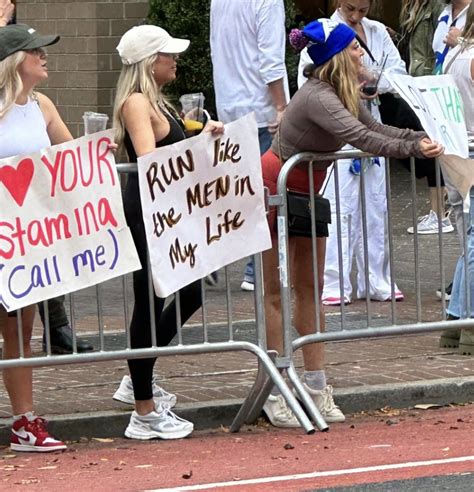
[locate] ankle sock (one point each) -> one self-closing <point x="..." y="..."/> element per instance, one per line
<point x="316" y="380"/>
<point x="29" y="415"/>
<point x="275" y="391"/>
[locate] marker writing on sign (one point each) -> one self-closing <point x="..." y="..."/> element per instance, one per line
<point x="161" y="176"/>
<point x="68" y="169"/>
<point x="49" y="271"/>
<point x="226" y="223"/>
<point x="226" y="151"/>
<point x="90" y="218"/>
<point x="204" y="194"/>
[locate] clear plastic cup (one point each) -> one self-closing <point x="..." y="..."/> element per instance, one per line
<point x="193" y="110"/>
<point x="94" y="122"/>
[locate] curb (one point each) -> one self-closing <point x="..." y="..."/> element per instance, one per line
<point x="211" y="415"/>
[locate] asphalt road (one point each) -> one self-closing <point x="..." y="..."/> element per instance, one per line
<point x="402" y="449"/>
<point x="458" y="483"/>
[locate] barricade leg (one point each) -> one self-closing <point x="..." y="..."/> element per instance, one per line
<point x="247" y="411"/>
<point x="307" y="401"/>
<point x="253" y="404"/>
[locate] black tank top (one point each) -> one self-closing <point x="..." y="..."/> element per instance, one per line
<point x="176" y="134"/>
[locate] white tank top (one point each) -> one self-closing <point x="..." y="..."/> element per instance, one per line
<point x="23" y="130"/>
<point x="461" y="70"/>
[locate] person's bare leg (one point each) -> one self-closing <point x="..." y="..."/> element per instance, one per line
<point x="144" y="407"/>
<point x="272" y="303"/>
<point x="436" y="204"/>
<point x="303" y="281"/>
<point x="19" y="380"/>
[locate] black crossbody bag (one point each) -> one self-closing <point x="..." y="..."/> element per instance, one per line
<point x="299" y="206"/>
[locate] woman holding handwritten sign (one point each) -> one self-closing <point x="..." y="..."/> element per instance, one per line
<point x="323" y="116"/>
<point x="144" y="121"/>
<point x="29" y="121"/>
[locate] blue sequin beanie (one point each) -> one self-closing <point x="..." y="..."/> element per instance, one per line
<point x="324" y="38"/>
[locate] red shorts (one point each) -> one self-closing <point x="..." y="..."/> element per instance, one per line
<point x="297" y="181"/>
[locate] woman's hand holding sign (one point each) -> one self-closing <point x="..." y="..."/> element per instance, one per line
<point x="214" y="127"/>
<point x="430" y="149"/>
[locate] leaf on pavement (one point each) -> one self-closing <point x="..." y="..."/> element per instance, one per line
<point x="427" y="406"/>
<point x="187" y="476"/>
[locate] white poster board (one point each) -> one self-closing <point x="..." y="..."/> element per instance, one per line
<point x="62" y="226"/>
<point x="203" y="204"/>
<point x="437" y="102"/>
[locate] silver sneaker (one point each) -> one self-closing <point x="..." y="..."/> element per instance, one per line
<point x="124" y="393"/>
<point x="428" y="224"/>
<point x="324" y="401"/>
<point x="278" y="412"/>
<point x="161" y="423"/>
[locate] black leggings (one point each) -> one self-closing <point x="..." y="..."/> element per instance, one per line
<point x="397" y="112"/>
<point x="141" y="370"/>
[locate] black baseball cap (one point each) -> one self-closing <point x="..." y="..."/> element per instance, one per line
<point x="20" y="37"/>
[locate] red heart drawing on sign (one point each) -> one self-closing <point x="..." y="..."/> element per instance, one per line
<point x="17" y="181"/>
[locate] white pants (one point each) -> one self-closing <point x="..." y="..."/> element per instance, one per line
<point x="352" y="242"/>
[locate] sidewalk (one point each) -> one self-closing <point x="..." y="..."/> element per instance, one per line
<point x="366" y="374"/>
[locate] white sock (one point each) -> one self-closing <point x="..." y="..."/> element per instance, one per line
<point x="29" y="415"/>
<point x="316" y="380"/>
<point x="275" y="391"/>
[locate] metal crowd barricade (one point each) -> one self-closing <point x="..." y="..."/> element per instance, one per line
<point x="285" y="361"/>
<point x="258" y="348"/>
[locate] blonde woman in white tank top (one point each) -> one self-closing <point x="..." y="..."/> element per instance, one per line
<point x="29" y="121"/>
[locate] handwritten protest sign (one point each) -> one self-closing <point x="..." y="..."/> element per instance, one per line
<point x="438" y="104"/>
<point x="62" y="226"/>
<point x="203" y="204"/>
<point x="460" y="173"/>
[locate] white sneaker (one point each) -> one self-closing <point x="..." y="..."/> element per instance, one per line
<point x="247" y="286"/>
<point x="324" y="401"/>
<point x="428" y="224"/>
<point x="278" y="412"/>
<point x="162" y="423"/>
<point x="124" y="393"/>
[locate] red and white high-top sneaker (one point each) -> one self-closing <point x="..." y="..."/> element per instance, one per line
<point x="31" y="435"/>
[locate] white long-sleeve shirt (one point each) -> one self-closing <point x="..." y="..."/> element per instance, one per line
<point x="380" y="45"/>
<point x="445" y="21"/>
<point x="248" y="53"/>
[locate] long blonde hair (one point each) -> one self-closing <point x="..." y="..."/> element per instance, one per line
<point x="10" y="81"/>
<point x="409" y="13"/>
<point x="467" y="34"/>
<point x="136" y="78"/>
<point x="340" y="73"/>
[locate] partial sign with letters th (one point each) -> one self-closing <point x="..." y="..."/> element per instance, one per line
<point x="437" y="102"/>
<point x="62" y="226"/>
<point x="203" y="204"/>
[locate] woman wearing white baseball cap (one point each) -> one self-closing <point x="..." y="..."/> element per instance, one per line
<point x="145" y="120"/>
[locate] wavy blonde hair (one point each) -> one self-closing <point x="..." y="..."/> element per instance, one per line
<point x="340" y="73"/>
<point x="409" y="13"/>
<point x="467" y="34"/>
<point x="136" y="78"/>
<point x="10" y="81"/>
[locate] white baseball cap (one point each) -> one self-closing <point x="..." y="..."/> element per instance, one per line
<point x="140" y="42"/>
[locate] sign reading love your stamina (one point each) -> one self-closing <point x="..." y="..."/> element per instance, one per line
<point x="62" y="226"/>
<point x="203" y="204"/>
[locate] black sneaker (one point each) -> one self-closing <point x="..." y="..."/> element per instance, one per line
<point x="447" y="292"/>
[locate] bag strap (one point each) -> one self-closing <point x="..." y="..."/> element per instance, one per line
<point x="366" y="48"/>
<point x="448" y="66"/>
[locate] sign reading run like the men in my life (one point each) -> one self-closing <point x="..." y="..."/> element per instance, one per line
<point x="203" y="204"/>
<point x="62" y="226"/>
